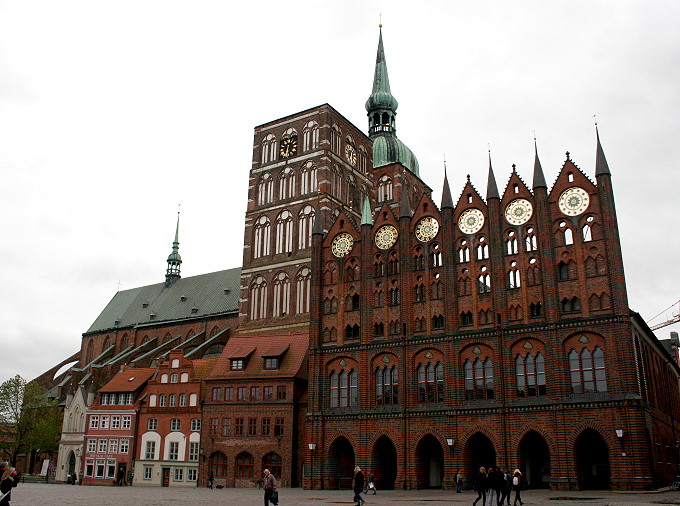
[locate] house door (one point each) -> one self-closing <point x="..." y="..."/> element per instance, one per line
<point x="166" y="477"/>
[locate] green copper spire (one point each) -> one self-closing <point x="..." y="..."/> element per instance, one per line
<point x="172" y="274"/>
<point x="366" y="215"/>
<point x="381" y="107"/>
<point x="382" y="98"/>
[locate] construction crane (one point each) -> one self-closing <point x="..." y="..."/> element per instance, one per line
<point x="675" y="316"/>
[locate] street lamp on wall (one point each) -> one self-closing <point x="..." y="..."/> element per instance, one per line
<point x="450" y="441"/>
<point x="312" y="448"/>
<point x="619" y="433"/>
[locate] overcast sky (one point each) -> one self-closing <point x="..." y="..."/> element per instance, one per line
<point x="113" y="113"/>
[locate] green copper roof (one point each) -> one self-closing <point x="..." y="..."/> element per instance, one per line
<point x="381" y="107"/>
<point x="382" y="97"/>
<point x="366" y="215"/>
<point x="388" y="149"/>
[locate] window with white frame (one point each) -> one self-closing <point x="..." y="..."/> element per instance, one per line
<point x="182" y="400"/>
<point x="174" y="378"/>
<point x="89" y="468"/>
<point x="104" y="422"/>
<point x="150" y="450"/>
<point x="99" y="469"/>
<point x="174" y="424"/>
<point x="179" y="474"/>
<point x="173" y="400"/>
<point x="94" y="421"/>
<point x="163" y="401"/>
<point x="110" y="469"/>
<point x="124" y="446"/>
<point x="152" y="424"/>
<point x="91" y="445"/>
<point x="192" y="474"/>
<point x="113" y="446"/>
<point x="193" y="451"/>
<point x="173" y="453"/>
<point x="127" y="419"/>
<point x="115" y="422"/>
<point x="102" y="446"/>
<point x="195" y="425"/>
<point x="148" y="472"/>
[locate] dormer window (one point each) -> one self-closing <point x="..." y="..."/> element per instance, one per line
<point x="237" y="364"/>
<point x="271" y="363"/>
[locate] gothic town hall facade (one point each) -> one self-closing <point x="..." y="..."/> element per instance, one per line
<point x="417" y="338"/>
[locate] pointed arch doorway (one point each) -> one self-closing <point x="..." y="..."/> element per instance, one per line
<point x="341" y="464"/>
<point x="384" y="463"/>
<point x="534" y="456"/>
<point x="480" y="452"/>
<point x="592" y="461"/>
<point x="429" y="463"/>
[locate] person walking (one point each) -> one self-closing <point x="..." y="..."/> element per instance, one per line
<point x="505" y="484"/>
<point x="269" y="486"/>
<point x="479" y="485"/>
<point x="491" y="485"/>
<point x="7" y="482"/>
<point x="517" y="486"/>
<point x="459" y="482"/>
<point x="370" y="484"/>
<point x="358" y="486"/>
<point x="211" y="480"/>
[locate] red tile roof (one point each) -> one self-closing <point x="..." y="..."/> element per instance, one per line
<point x="264" y="346"/>
<point x="128" y="380"/>
<point x="203" y="367"/>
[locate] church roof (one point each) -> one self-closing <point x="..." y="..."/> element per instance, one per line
<point x="190" y="297"/>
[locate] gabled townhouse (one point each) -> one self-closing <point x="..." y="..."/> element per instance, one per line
<point x="253" y="408"/>
<point x="169" y="434"/>
<point x="111" y="427"/>
<point x="69" y="460"/>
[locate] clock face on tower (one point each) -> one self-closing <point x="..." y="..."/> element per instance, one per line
<point x="427" y="229"/>
<point x="342" y="244"/>
<point x="574" y="201"/>
<point x="350" y="154"/>
<point x="288" y="147"/>
<point x="518" y="212"/>
<point x="386" y="236"/>
<point x="471" y="221"/>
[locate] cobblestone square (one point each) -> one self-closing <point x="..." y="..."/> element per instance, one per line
<point x="32" y="494"/>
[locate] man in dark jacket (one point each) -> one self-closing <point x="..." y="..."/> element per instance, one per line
<point x="269" y="486"/>
<point x="358" y="486"/>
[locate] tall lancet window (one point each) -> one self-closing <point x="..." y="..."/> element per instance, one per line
<point x="303" y="288"/>
<point x="284" y="232"/>
<point x="262" y="237"/>
<point x="281" y="295"/>
<point x="258" y="299"/>
<point x="305" y="225"/>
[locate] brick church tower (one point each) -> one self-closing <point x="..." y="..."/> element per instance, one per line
<point x="310" y="162"/>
